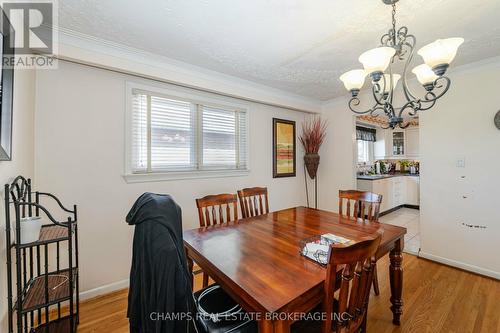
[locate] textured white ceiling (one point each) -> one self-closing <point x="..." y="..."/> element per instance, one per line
<point x="295" y="45"/>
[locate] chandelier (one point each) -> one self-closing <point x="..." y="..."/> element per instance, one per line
<point x="398" y="46"/>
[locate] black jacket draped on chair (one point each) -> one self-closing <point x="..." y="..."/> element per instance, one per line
<point x="160" y="298"/>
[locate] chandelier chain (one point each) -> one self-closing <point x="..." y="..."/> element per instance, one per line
<point x="394" y="17"/>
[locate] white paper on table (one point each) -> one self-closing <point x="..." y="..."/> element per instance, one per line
<point x="336" y="239"/>
<point x="311" y="250"/>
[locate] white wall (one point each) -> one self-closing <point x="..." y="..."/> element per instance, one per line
<point x="461" y="127"/>
<point x="21" y="164"/>
<point x="80" y="156"/>
<point x="336" y="170"/>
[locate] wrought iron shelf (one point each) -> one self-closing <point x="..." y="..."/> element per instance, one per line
<point x="48" y="234"/>
<point x="61" y="325"/>
<point x="34" y="294"/>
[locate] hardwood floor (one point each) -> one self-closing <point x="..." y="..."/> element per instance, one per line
<point x="437" y="298"/>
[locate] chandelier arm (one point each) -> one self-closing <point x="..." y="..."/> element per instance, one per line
<point x="414" y="105"/>
<point x="353" y="102"/>
<point x="430" y="96"/>
<point x="376" y="90"/>
<point x="390" y="97"/>
<point x="430" y="103"/>
<point x="407" y="91"/>
<point x="389" y="110"/>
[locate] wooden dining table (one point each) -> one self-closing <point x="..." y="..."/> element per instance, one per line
<point x="257" y="261"/>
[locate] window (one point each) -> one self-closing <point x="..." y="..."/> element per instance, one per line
<point x="178" y="135"/>
<point x="365" y="137"/>
<point x="365" y="151"/>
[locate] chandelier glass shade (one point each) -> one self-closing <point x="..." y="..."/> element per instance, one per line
<point x="399" y="45"/>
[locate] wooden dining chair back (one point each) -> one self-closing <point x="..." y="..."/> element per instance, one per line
<point x="365" y="205"/>
<point x="349" y="311"/>
<point x="253" y="201"/>
<point x="217" y="209"/>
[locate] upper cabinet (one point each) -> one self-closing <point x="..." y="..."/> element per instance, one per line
<point x="397" y="144"/>
<point x="412" y="142"/>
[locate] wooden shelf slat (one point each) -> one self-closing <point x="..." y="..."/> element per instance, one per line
<point x="35" y="294"/>
<point x="52" y="232"/>
<point x="61" y="325"/>
<point x="48" y="234"/>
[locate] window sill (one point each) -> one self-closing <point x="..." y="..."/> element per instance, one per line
<point x="179" y="175"/>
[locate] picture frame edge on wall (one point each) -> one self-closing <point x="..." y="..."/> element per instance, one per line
<point x="6" y="89"/>
<point x="274" y="148"/>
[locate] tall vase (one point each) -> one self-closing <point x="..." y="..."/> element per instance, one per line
<point x="312" y="162"/>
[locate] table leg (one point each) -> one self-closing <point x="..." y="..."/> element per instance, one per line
<point x="282" y="326"/>
<point x="396" y="278"/>
<point x="190" y="269"/>
<point x="266" y="326"/>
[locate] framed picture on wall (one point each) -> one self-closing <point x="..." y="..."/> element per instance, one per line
<point x="284" y="150"/>
<point x="6" y="87"/>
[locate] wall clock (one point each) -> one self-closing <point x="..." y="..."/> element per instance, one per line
<point x="497" y="120"/>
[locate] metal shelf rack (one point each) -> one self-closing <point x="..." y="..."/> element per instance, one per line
<point x="38" y="285"/>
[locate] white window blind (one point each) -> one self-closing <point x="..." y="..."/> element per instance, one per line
<point x="171" y="134"/>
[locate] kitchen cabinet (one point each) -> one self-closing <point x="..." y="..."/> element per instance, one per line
<point x="396" y="144"/>
<point x="412" y="142"/>
<point x="413" y="191"/>
<point x="395" y="191"/>
<point x="384" y="187"/>
<point x="398" y="191"/>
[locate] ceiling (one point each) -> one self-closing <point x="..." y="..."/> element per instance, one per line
<point x="296" y="45"/>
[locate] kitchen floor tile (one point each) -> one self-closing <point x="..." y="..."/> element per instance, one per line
<point x="410" y="219"/>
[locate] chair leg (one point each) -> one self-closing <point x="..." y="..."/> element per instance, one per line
<point x="205" y="280"/>
<point x="362" y="328"/>
<point x="375" y="281"/>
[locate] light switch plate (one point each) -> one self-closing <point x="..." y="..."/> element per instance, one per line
<point x="461" y="162"/>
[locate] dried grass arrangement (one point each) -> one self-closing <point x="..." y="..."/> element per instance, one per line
<point x="313" y="134"/>
<point x="312" y="137"/>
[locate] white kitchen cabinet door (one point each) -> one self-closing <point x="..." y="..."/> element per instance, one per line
<point x="412" y="142"/>
<point x="398" y="146"/>
<point x="399" y="191"/>
<point x="384" y="187"/>
<point x="365" y="185"/>
<point x="413" y="191"/>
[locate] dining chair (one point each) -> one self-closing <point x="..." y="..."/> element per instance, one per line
<point x="216" y="209"/>
<point x="253" y="201"/>
<point x="347" y="312"/>
<point x="365" y="206"/>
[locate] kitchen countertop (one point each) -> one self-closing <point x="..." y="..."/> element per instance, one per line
<point x="377" y="177"/>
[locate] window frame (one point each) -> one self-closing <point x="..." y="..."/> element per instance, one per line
<point x="198" y="98"/>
